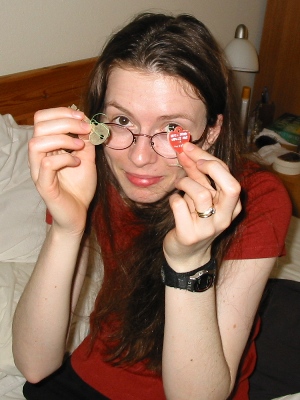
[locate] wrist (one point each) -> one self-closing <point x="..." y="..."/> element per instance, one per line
<point x="64" y="235"/>
<point x="183" y="260"/>
<point x="198" y="280"/>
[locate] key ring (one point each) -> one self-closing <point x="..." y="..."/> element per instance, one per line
<point x="99" y="131"/>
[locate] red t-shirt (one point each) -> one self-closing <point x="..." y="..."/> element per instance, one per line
<point x="260" y="235"/>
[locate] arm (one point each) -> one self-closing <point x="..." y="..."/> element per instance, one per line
<point x="66" y="182"/>
<point x="42" y="317"/>
<point x="206" y="333"/>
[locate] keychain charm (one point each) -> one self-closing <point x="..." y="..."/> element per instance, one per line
<point x="99" y="131"/>
<point x="178" y="137"/>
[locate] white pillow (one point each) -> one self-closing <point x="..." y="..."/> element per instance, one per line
<point x="22" y="211"/>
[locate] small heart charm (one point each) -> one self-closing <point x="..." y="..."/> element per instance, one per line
<point x="178" y="137"/>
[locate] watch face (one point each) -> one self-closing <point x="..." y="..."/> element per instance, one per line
<point x="204" y="282"/>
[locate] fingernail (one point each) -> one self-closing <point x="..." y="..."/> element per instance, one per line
<point x="85" y="125"/>
<point x="189" y="146"/>
<point x="77" y="114"/>
<point x="78" y="142"/>
<point x="201" y="161"/>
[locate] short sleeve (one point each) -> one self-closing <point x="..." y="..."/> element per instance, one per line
<point x="262" y="232"/>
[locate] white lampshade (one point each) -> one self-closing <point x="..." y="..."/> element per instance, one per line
<point x="240" y="53"/>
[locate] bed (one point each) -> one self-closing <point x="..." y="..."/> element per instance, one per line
<point x="22" y="211"/>
<point x="22" y="214"/>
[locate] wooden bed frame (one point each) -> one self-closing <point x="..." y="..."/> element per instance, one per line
<point x="22" y="94"/>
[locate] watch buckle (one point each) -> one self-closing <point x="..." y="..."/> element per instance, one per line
<point x="198" y="274"/>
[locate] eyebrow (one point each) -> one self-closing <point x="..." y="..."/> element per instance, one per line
<point x="119" y="107"/>
<point x="162" y="117"/>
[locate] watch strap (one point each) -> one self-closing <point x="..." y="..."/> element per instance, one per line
<point x="197" y="280"/>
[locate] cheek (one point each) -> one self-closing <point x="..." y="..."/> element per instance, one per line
<point x="113" y="156"/>
<point x="174" y="171"/>
<point x="107" y="154"/>
<point x="113" y="164"/>
<point x="108" y="158"/>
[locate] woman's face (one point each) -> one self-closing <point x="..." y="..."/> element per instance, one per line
<point x="147" y="103"/>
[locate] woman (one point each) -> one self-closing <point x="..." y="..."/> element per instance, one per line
<point x="166" y="221"/>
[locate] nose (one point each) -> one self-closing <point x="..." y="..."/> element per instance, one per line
<point x="141" y="152"/>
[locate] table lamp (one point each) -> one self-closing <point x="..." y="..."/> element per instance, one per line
<point x="240" y="53"/>
<point x="241" y="56"/>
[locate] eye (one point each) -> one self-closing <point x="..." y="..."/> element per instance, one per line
<point x="171" y="127"/>
<point x="124" y="121"/>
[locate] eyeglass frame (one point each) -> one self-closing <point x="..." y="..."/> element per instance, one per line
<point x="135" y="135"/>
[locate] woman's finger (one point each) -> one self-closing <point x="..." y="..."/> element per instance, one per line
<point x="195" y="153"/>
<point x="227" y="199"/>
<point x="189" y="158"/>
<point x="40" y="147"/>
<point x="198" y="163"/>
<point x="186" y="221"/>
<point x="46" y="144"/>
<point x="51" y="165"/>
<point x="226" y="190"/>
<point x="57" y="113"/>
<point x="223" y="199"/>
<point x="227" y="186"/>
<point x="196" y="195"/>
<point x="60" y="126"/>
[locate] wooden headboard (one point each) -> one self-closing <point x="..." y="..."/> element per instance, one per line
<point x="22" y="94"/>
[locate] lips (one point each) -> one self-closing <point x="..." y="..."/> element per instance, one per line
<point x="143" y="180"/>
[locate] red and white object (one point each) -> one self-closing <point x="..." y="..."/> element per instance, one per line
<point x="178" y="137"/>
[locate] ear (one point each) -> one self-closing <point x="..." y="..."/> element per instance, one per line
<point x="213" y="133"/>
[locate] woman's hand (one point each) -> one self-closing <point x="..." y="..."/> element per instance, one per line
<point x="66" y="180"/>
<point x="188" y="245"/>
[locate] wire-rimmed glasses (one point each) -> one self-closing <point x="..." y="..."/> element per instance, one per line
<point x="122" y="137"/>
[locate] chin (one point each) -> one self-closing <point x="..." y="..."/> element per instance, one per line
<point x="145" y="196"/>
<point x="145" y="199"/>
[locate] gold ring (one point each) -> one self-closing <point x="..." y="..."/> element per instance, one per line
<point x="207" y="213"/>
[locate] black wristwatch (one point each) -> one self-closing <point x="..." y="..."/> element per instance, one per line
<point x="198" y="280"/>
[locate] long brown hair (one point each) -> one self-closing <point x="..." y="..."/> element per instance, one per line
<point x="131" y="300"/>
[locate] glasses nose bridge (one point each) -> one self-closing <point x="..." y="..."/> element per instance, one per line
<point x="135" y="135"/>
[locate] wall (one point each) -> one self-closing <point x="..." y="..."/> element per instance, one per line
<point x="39" y="33"/>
